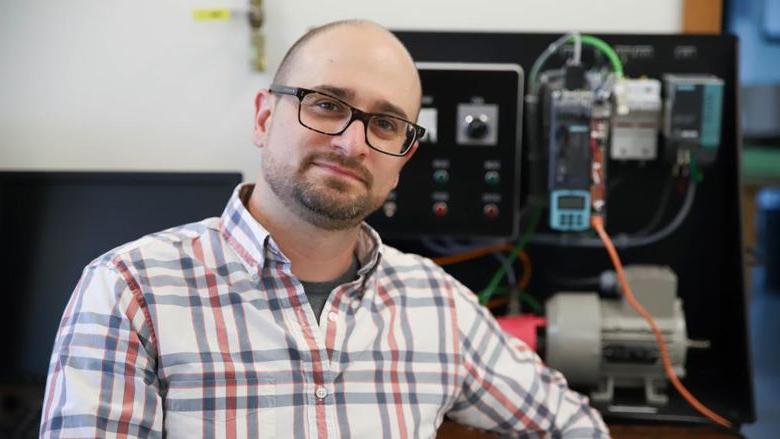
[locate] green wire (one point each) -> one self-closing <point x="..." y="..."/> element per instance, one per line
<point x="535" y="305"/>
<point x="490" y="290"/>
<point x="532" y="302"/>
<point x="590" y="40"/>
<point x="695" y="172"/>
<point x="606" y="49"/>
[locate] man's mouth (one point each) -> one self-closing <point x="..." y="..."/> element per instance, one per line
<point x="341" y="170"/>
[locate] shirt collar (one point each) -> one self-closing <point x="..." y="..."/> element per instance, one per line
<point x="256" y="248"/>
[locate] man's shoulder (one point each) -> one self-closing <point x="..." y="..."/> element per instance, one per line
<point x="164" y="243"/>
<point x="413" y="266"/>
<point x="395" y="258"/>
<point x="415" y="274"/>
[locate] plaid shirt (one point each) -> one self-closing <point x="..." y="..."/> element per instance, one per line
<point x="203" y="331"/>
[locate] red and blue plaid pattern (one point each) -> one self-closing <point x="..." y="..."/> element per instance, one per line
<point x="203" y="331"/>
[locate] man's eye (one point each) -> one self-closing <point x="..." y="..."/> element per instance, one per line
<point x="329" y="106"/>
<point x="385" y="124"/>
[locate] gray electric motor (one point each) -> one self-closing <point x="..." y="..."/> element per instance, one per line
<point x="604" y="344"/>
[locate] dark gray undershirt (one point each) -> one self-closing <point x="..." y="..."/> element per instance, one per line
<point x="318" y="292"/>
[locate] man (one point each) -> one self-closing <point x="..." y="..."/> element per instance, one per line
<point x="287" y="317"/>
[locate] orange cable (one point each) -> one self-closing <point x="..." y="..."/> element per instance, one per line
<point x="522" y="257"/>
<point x="472" y="254"/>
<point x="525" y="263"/>
<point x="598" y="224"/>
<point x="496" y="302"/>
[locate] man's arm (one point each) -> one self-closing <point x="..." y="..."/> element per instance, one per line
<point x="102" y="379"/>
<point x="506" y="387"/>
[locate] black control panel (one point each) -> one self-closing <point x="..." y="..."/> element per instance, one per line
<point x="464" y="178"/>
<point x="646" y="193"/>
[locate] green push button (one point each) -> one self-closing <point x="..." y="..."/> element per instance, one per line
<point x="441" y="176"/>
<point x="492" y="178"/>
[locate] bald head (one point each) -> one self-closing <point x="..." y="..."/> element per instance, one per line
<point x="288" y="61"/>
<point x="337" y="45"/>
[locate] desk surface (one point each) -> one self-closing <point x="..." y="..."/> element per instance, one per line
<point x="451" y="430"/>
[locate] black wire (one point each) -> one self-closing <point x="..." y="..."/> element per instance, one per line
<point x="663" y="205"/>
<point x="569" y="282"/>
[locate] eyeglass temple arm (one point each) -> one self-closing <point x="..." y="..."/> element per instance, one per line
<point x="283" y="89"/>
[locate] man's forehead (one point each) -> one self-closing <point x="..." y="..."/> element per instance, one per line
<point x="362" y="62"/>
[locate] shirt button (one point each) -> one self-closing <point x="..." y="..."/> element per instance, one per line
<point x="321" y="392"/>
<point x="332" y="316"/>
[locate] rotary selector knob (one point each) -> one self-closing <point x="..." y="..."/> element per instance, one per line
<point x="476" y="127"/>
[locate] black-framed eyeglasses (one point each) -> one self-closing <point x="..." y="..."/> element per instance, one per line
<point x="330" y="115"/>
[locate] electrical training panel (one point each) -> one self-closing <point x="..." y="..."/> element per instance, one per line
<point x="637" y="130"/>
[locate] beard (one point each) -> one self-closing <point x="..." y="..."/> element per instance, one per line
<point x="327" y="202"/>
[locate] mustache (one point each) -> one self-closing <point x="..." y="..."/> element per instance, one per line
<point x="349" y="163"/>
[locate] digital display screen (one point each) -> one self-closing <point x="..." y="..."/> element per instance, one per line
<point x="571" y="202"/>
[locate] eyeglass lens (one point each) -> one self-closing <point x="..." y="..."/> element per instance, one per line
<point x="328" y="115"/>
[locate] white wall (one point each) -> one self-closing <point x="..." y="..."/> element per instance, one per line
<point x="140" y="85"/>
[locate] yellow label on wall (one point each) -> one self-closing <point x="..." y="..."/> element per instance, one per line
<point x="211" y="14"/>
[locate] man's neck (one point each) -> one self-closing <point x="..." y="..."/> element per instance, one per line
<point x="316" y="254"/>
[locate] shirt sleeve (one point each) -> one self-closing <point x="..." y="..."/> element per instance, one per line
<point x="102" y="380"/>
<point x="508" y="389"/>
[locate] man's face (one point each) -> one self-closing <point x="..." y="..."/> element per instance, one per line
<point x="334" y="182"/>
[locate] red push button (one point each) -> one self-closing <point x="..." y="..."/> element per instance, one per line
<point x="440" y="209"/>
<point x="490" y="210"/>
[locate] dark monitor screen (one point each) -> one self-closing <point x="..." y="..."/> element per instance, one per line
<point x="53" y="224"/>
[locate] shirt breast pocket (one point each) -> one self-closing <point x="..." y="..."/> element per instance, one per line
<point x="220" y="407"/>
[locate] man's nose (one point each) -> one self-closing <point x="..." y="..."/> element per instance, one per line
<point x="353" y="140"/>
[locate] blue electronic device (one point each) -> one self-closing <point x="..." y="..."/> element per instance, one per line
<point x="570" y="210"/>
<point x="570" y="159"/>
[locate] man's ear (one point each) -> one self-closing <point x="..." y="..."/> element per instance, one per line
<point x="263" y="112"/>
<point x="406" y="158"/>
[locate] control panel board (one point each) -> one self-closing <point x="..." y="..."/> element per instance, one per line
<point x="464" y="177"/>
<point x="663" y="176"/>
